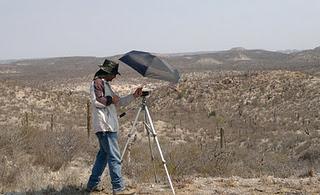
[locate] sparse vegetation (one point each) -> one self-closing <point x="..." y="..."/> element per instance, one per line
<point x="250" y="124"/>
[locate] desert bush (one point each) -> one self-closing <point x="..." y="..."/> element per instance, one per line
<point x="12" y="145"/>
<point x="181" y="159"/>
<point x="28" y="154"/>
<point x="311" y="155"/>
<point x="49" y="148"/>
<point x="55" y="149"/>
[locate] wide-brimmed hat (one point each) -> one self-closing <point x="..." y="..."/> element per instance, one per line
<point x="110" y="67"/>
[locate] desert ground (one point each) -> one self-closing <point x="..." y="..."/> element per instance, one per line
<point x="238" y="122"/>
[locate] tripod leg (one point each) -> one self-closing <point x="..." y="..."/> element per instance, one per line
<point x="159" y="148"/>
<point x="147" y="128"/>
<point x="130" y="133"/>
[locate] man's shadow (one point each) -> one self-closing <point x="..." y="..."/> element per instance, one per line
<point x="67" y="190"/>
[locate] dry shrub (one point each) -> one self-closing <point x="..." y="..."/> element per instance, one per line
<point x="140" y="166"/>
<point x="190" y="158"/>
<point x="12" y="143"/>
<point x="54" y="149"/>
<point x="28" y="155"/>
<point x="51" y="149"/>
<point x="181" y="159"/>
<point x="311" y="154"/>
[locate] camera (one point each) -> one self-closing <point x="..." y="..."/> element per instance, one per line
<point x="145" y="93"/>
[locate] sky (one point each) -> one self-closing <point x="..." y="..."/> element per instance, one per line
<point x="55" y="28"/>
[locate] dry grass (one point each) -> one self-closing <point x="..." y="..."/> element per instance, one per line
<point x="270" y="128"/>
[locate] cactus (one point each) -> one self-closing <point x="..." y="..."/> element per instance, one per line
<point x="88" y="118"/>
<point x="222" y="138"/>
<point x="51" y="122"/>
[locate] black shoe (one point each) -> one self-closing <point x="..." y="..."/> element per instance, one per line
<point x="94" y="189"/>
<point x="125" y="191"/>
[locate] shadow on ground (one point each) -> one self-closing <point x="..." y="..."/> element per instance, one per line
<point x="67" y="190"/>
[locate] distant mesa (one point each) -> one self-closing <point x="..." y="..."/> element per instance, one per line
<point x="317" y="49"/>
<point x="238" y="49"/>
<point x="208" y="61"/>
<point x="239" y="54"/>
<point x="288" y="51"/>
<point x="241" y="57"/>
<point x="237" y="58"/>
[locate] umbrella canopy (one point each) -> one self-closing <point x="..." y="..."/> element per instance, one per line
<point x="151" y="66"/>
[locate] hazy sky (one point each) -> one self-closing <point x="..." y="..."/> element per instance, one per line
<point x="48" y="28"/>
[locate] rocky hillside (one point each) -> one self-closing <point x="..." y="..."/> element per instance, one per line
<point x="273" y="115"/>
<point x="240" y="59"/>
<point x="243" y="59"/>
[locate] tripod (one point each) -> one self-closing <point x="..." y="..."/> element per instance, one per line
<point x="148" y="126"/>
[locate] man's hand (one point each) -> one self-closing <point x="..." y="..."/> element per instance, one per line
<point x="138" y="92"/>
<point x="115" y="99"/>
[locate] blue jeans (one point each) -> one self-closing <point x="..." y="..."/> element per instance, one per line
<point x="108" y="154"/>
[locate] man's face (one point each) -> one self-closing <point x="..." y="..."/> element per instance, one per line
<point x="110" y="77"/>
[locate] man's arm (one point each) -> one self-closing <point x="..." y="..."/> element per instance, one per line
<point x="100" y="93"/>
<point x="124" y="101"/>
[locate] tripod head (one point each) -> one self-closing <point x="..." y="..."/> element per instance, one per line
<point x="145" y="93"/>
<point x="144" y="97"/>
<point x="144" y="102"/>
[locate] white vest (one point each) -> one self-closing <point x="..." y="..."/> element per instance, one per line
<point x="105" y="118"/>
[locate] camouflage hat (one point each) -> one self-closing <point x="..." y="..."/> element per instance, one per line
<point x="110" y="67"/>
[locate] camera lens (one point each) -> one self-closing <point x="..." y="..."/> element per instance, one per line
<point x="145" y="93"/>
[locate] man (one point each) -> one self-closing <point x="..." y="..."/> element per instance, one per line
<point x="105" y="123"/>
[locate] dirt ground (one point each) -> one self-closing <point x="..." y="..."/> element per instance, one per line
<point x="237" y="185"/>
<point x="265" y="185"/>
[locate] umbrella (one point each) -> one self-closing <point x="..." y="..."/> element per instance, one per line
<point x="150" y="66"/>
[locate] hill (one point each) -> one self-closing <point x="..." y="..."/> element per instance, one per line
<point x="239" y="59"/>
